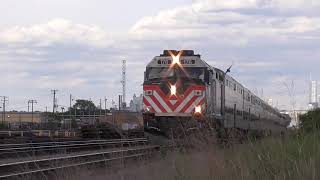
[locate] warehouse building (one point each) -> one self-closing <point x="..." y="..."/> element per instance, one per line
<point x="14" y="119"/>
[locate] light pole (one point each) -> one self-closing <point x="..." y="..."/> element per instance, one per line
<point x="75" y="110"/>
<point x="100" y="108"/>
<point x="75" y="113"/>
<point x="8" y="125"/>
<point x="70" y="113"/>
<point x="105" y="106"/>
<point x="64" y="123"/>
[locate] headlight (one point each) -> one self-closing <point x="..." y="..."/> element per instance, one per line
<point x="175" y="58"/>
<point x="173" y="89"/>
<point x="198" y="109"/>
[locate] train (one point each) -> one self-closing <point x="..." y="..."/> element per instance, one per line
<point x="181" y="93"/>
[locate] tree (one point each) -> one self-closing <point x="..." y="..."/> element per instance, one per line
<point x="310" y="121"/>
<point x="54" y="121"/>
<point x="84" y="106"/>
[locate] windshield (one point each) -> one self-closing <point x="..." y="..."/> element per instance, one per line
<point x="192" y="73"/>
<point x="155" y="73"/>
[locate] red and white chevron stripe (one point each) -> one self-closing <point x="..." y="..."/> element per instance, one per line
<point x="158" y="102"/>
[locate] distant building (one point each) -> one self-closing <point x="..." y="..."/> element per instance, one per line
<point x="270" y="102"/>
<point x="313" y="95"/>
<point x="136" y="104"/>
<point x="313" y="92"/>
<point x="14" y="118"/>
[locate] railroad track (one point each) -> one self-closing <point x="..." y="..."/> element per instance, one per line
<point x="18" y="150"/>
<point x="36" y="168"/>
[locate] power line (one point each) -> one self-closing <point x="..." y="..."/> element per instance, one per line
<point x="54" y="92"/>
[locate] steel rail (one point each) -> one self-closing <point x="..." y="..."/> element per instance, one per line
<point x="82" y="156"/>
<point x="63" y="142"/>
<point x="66" y="145"/>
<point x="17" y="150"/>
<point x="67" y="166"/>
<point x="75" y="156"/>
<point x="69" y="145"/>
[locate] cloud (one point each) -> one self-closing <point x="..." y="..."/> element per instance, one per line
<point x="56" y="31"/>
<point x="268" y="41"/>
<point x="271" y="5"/>
<point x="231" y="22"/>
<point x="263" y="37"/>
<point x="59" y="54"/>
<point x="50" y="82"/>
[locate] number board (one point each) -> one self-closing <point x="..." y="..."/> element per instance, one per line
<point x="182" y="61"/>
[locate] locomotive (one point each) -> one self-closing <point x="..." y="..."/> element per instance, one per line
<point x="181" y="91"/>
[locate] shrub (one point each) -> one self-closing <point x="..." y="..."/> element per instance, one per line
<point x="310" y="121"/>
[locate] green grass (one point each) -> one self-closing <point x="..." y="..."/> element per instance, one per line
<point x="296" y="157"/>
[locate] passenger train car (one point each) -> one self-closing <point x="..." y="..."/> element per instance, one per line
<point x="180" y="87"/>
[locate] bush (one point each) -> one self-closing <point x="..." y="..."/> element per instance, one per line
<point x="310" y="121"/>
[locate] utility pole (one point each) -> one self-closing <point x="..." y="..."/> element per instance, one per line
<point x="123" y="82"/>
<point x="113" y="104"/>
<point x="75" y="110"/>
<point x="4" y="101"/>
<point x="46" y="116"/>
<point x="20" y="122"/>
<point x="120" y="102"/>
<point x="70" y="99"/>
<point x="105" y="106"/>
<point x="75" y="114"/>
<point x="100" y="107"/>
<point x="70" y="107"/>
<point x="54" y="92"/>
<point x="64" y="123"/>
<point x="32" y="102"/>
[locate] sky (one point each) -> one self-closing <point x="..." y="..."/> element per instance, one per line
<point x="77" y="46"/>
